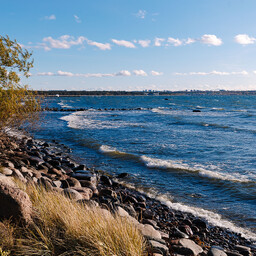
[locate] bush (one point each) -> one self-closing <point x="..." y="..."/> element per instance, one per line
<point x="64" y="227"/>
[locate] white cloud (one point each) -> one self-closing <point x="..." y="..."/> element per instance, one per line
<point x="45" y="74"/>
<point x="158" y="41"/>
<point x="144" y="43"/>
<point x="51" y="17"/>
<point x="244" y="39"/>
<point x="63" y="42"/>
<point x="62" y="73"/>
<point x="101" y="46"/>
<point x="141" y="14"/>
<point x="139" y="72"/>
<point x="174" y="42"/>
<point x="77" y="19"/>
<point x="214" y="72"/>
<point x="123" y="73"/>
<point x="156" y="73"/>
<point x="211" y="40"/>
<point x="124" y="43"/>
<point x="190" y="41"/>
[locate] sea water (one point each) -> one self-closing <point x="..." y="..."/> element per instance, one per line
<point x="198" y="162"/>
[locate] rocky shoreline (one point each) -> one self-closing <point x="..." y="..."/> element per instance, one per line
<point x="167" y="231"/>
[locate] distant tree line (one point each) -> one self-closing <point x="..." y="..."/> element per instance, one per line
<point x="139" y="93"/>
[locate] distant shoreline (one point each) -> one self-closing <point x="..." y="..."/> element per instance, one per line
<point x="64" y="93"/>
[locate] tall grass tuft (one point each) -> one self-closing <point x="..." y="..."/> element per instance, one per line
<point x="64" y="227"/>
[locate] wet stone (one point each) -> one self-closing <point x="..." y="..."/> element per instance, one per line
<point x="106" y="180"/>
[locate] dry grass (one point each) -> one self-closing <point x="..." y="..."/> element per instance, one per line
<point x="64" y="227"/>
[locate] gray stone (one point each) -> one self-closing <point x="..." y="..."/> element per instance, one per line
<point x="121" y="212"/>
<point x="72" y="194"/>
<point x="46" y="183"/>
<point x="88" y="176"/>
<point x="6" y="171"/>
<point x="216" y="251"/>
<point x="7" y="180"/>
<point x="148" y="231"/>
<point x="229" y="253"/>
<point x="187" y="243"/>
<point x="8" y="164"/>
<point x="17" y="174"/>
<point x="180" y="234"/>
<point x="90" y="203"/>
<point x="158" y="247"/>
<point x="85" y="192"/>
<point x="246" y="251"/>
<point x="15" y="203"/>
<point x="57" y="183"/>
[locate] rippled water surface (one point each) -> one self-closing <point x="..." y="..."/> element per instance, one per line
<point x="201" y="162"/>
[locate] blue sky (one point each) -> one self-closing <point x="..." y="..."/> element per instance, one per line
<point x="136" y="44"/>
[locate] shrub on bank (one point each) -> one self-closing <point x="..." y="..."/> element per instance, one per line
<point x="64" y="227"/>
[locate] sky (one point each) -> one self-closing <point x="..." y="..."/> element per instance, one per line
<point x="135" y="44"/>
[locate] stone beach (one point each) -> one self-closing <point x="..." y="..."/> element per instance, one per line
<point x="50" y="164"/>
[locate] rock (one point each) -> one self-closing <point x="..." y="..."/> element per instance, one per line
<point x="54" y="163"/>
<point x="57" y="183"/>
<point x="85" y="176"/>
<point x="246" y="251"/>
<point x="7" y="180"/>
<point x="17" y="174"/>
<point x="90" y="203"/>
<point x="148" y="214"/>
<point x="130" y="210"/>
<point x="216" y="251"/>
<point x="80" y="167"/>
<point x="200" y="223"/>
<point x="121" y="212"/>
<point x="122" y="175"/>
<point x="141" y="199"/>
<point x="72" y="194"/>
<point x="130" y="199"/>
<point x="150" y="222"/>
<point x="27" y="173"/>
<point x="158" y="247"/>
<point x="8" y="164"/>
<point x="72" y="182"/>
<point x="35" y="160"/>
<point x="108" y="192"/>
<point x="45" y="183"/>
<point x="106" y="180"/>
<point x="191" y="245"/>
<point x="178" y="233"/>
<point x="186" y="229"/>
<point x="148" y="231"/>
<point x="15" y="203"/>
<point x="229" y="253"/>
<point x="55" y="171"/>
<point x="85" y="192"/>
<point x="6" y="171"/>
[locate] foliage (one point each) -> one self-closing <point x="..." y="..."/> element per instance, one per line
<point x="17" y="103"/>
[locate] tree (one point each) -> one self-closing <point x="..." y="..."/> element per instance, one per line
<point x="17" y="103"/>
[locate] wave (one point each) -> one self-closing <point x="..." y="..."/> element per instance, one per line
<point x="97" y="120"/>
<point x="217" y="109"/>
<point x="155" y="163"/>
<point x="117" y="154"/>
<point x="64" y="105"/>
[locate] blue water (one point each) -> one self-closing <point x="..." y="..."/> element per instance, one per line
<point x="200" y="162"/>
